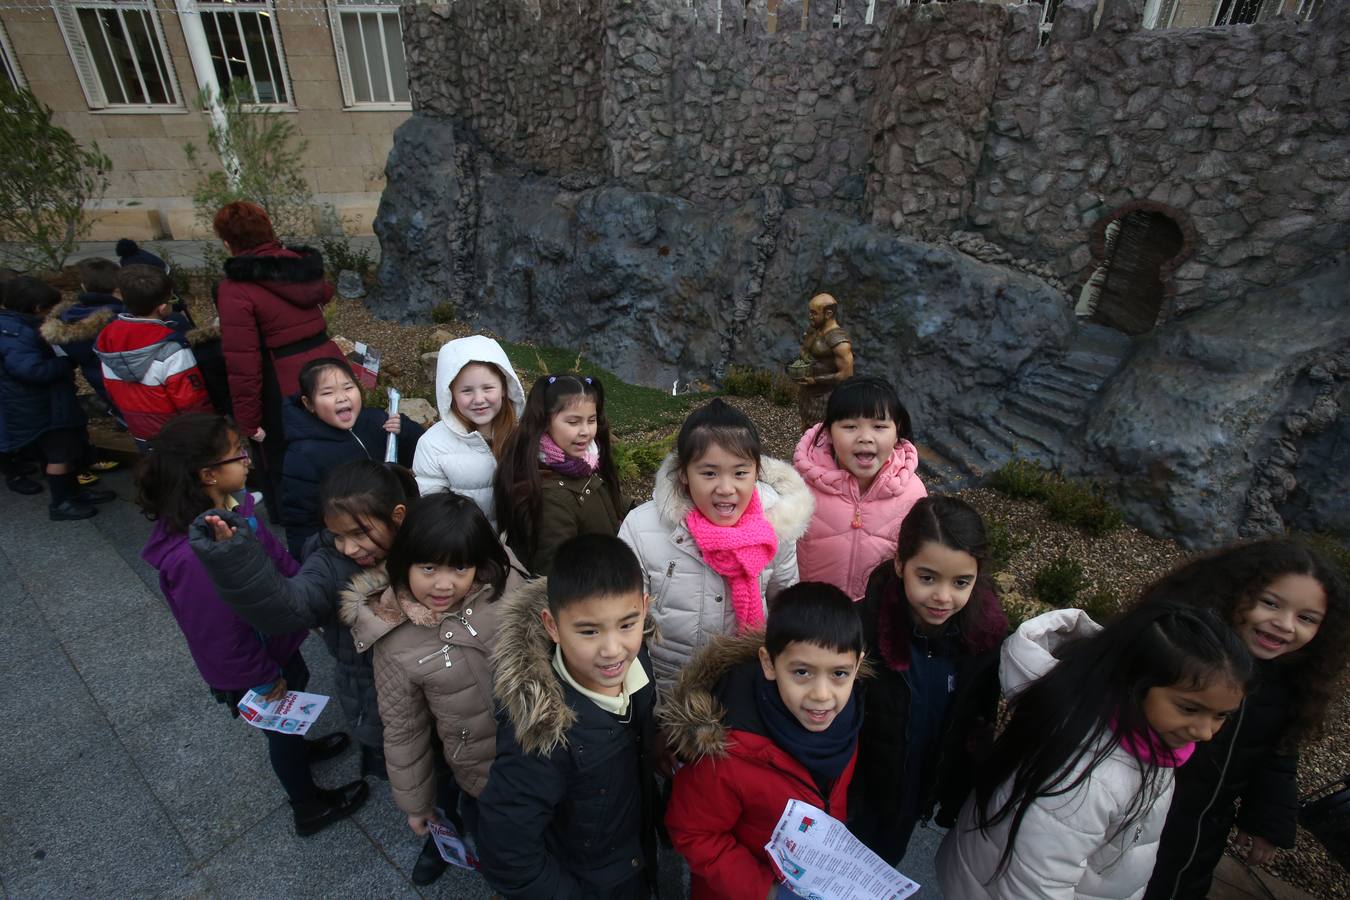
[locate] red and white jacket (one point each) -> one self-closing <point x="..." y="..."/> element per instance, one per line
<point x="150" y="373"/>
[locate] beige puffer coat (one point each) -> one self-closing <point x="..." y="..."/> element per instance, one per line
<point x="690" y="603"/>
<point x="429" y="667"/>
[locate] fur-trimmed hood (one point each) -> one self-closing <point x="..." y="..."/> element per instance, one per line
<point x="272" y="262"/>
<point x="371" y="608"/>
<point x="787" y="501"/>
<point x="204" y="333"/>
<point x="692" y="715"/>
<point x="62" y="328"/>
<point x="525" y="684"/>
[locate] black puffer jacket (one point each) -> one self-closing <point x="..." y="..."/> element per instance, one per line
<point x="1245" y="761"/>
<point x="37" y="388"/>
<point x="274" y="604"/>
<point x="569" y="810"/>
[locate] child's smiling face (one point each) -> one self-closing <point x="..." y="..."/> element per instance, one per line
<point x="336" y="400"/>
<point x="938" y="583"/>
<point x="573" y="427"/>
<point x="478" y="393"/>
<point x="814" y="682"/>
<point x="1182" y="714"/>
<point x="1284" y="616"/>
<point x="600" y="637"/>
<point x="721" y="484"/>
<point x="862" y="446"/>
<point x="365" y="542"/>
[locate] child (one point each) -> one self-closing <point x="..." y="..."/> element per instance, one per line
<point x="38" y="407"/>
<point x="570" y="807"/>
<point x="148" y="368"/>
<point x="719" y="537"/>
<point x="761" y="721"/>
<point x="364" y="504"/>
<point x="197" y="462"/>
<point x="934" y="625"/>
<point x="556" y="478"/>
<point x="325" y="426"/>
<point x="74" y="324"/>
<point x="1072" y="799"/>
<point x="431" y="618"/>
<point x="1291" y="608"/>
<point x="863" y="473"/>
<point x="479" y="399"/>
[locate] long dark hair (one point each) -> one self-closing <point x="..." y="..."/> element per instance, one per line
<point x="448" y="529"/>
<point x="367" y="491"/>
<point x="1229" y="581"/>
<point x="517" y="489"/>
<point x="1064" y="725"/>
<point x="169" y="487"/>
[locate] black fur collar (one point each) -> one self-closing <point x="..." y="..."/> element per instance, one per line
<point x="309" y="267"/>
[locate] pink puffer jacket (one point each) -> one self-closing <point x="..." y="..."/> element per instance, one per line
<point x="850" y="535"/>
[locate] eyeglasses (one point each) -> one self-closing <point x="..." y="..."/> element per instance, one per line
<point x="246" y="458"/>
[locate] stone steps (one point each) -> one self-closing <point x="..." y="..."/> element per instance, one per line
<point x="1058" y="418"/>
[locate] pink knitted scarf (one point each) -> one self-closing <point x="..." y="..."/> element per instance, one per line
<point x="738" y="553"/>
<point x="553" y="456"/>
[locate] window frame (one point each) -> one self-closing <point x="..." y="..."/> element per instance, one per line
<point x="349" y="102"/>
<point x="9" y="61"/>
<point x="86" y="70"/>
<point x="269" y="7"/>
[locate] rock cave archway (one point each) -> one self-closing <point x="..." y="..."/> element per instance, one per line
<point x="1137" y="248"/>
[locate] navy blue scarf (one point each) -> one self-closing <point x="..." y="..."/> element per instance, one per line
<point x="825" y="754"/>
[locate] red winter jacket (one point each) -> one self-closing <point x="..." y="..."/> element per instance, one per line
<point x="272" y="297"/>
<point x="726" y="802"/>
<point x="149" y="373"/>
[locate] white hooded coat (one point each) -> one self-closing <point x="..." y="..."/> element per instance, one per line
<point x="450" y="456"/>
<point x="1071" y="846"/>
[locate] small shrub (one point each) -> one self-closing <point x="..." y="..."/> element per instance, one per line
<point x="1003" y="544"/>
<point x="1081" y="505"/>
<point x="443" y="313"/>
<point x="742" y="381"/>
<point x="633" y="461"/>
<point x="339" y="255"/>
<point x="1019" y="478"/>
<point x="1101" y="604"/>
<point x="783" y="392"/>
<point x="1059" y="582"/>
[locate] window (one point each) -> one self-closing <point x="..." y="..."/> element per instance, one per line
<point x="368" y="38"/>
<point x="246" y="47"/>
<point x="1238" y="12"/>
<point x="118" y="50"/>
<point x="9" y="63"/>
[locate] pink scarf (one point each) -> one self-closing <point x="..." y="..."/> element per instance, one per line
<point x="738" y="553"/>
<point x="553" y="456"/>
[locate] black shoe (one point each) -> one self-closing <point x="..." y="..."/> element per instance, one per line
<point x="91" y="496"/>
<point x="326" y="747"/>
<point x="372" y="763"/>
<point x="315" y="815"/>
<point x="22" y="484"/>
<point x="429" y="865"/>
<point x="70" y="511"/>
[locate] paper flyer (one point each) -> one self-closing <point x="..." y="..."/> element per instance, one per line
<point x="293" y="713"/>
<point x="366" y="364"/>
<point x="391" y="446"/>
<point x="450" y="845"/>
<point x="819" y="859"/>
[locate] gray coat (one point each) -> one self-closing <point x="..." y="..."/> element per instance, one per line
<point x="246" y="580"/>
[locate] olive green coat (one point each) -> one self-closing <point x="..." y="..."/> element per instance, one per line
<point x="569" y="507"/>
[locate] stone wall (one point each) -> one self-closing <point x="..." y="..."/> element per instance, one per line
<point x="1242" y="135"/>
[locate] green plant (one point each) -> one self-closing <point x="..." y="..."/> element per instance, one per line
<point x="1019" y="478"/>
<point x="1003" y="544"/>
<point x="741" y="381"/>
<point x="1059" y="582"/>
<point x="783" y="392"/>
<point x="46" y="180"/>
<point x="1101" y="604"/>
<point x="265" y="149"/>
<point x="1081" y="505"/>
<point x="340" y="256"/>
<point x="443" y="313"/>
<point x="633" y="461"/>
<point x="181" y="277"/>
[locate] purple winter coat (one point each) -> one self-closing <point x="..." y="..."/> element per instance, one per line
<point x="230" y="655"/>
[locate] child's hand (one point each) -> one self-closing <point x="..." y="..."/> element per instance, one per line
<point x="1257" y="850"/>
<point x="220" y="530"/>
<point x="259" y="436"/>
<point x="277" y="692"/>
<point x="393" y="424"/>
<point x="418" y="824"/>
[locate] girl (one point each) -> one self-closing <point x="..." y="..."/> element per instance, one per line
<point x="326" y="426"/>
<point x="935" y="626"/>
<point x="719" y="536"/>
<point x="1291" y="608"/>
<point x="200" y="461"/>
<point x="431" y="618"/>
<point x="864" y="475"/>
<point x="556" y="478"/>
<point x="1072" y="799"/>
<point x="363" y="504"/>
<point x="479" y="398"/>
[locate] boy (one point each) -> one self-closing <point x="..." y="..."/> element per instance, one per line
<point x="761" y="720"/>
<point x="569" y="807"/>
<point x="38" y="407"/>
<point x="148" y="367"/>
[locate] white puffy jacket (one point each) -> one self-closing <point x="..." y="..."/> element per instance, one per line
<point x="1069" y="847"/>
<point x="690" y="602"/>
<point x="450" y="456"/>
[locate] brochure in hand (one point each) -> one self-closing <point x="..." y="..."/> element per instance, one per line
<point x="819" y="859"/>
<point x="293" y="713"/>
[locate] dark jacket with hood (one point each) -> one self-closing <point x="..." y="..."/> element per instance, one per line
<point x="1246" y="761"/>
<point x="37" y="387"/>
<point x="313" y="447"/>
<point x="730" y="794"/>
<point x="878" y="787"/>
<point x="569" y="809"/>
<point x="74" y="325"/>
<point x="274" y="604"/>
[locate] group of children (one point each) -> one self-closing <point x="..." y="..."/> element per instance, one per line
<point x="569" y="680"/>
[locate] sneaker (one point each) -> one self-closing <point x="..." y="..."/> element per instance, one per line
<point x="91" y="496"/>
<point x="22" y="484"/>
<point x="328" y="807"/>
<point x="86" y="478"/>
<point x="70" y="511"/>
<point x="429" y="865"/>
<point x="326" y="747"/>
<point x="104" y="465"/>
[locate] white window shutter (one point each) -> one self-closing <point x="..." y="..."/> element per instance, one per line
<point x="79" y="53"/>
<point x="340" y="50"/>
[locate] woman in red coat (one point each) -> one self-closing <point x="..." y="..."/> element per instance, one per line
<point x="271" y="323"/>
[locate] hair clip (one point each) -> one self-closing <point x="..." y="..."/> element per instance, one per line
<point x="587" y="379"/>
<point x="552" y="378"/>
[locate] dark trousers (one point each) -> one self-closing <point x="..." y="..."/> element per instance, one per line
<point x="460" y="808"/>
<point x="287" y="752"/>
